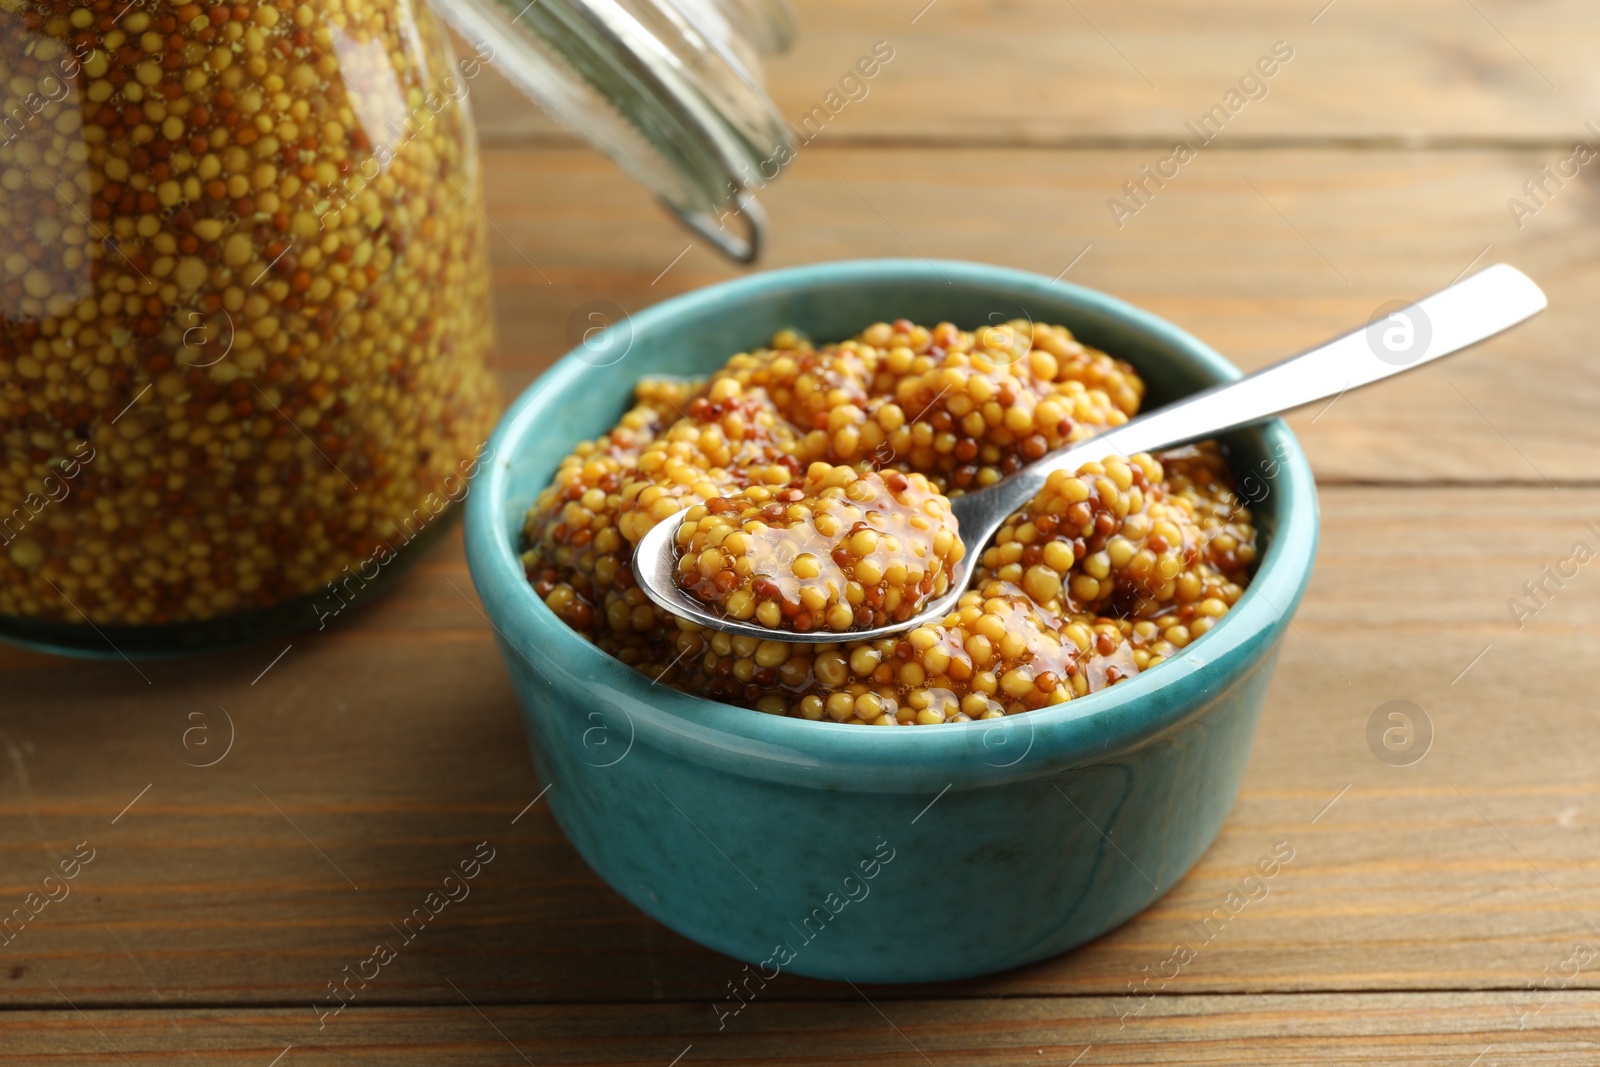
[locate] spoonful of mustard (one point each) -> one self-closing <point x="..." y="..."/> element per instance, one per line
<point x="773" y="562"/>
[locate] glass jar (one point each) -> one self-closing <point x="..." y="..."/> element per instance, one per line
<point x="246" y="311"/>
<point x="670" y="89"/>
<point x="244" y="284"/>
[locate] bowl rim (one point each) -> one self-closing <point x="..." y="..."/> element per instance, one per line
<point x="753" y="744"/>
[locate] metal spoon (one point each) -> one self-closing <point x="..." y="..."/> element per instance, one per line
<point x="1458" y="317"/>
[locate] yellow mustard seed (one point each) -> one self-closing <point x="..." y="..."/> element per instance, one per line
<point x="812" y="484"/>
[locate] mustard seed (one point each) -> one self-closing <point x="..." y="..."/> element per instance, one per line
<point x="812" y="488"/>
<point x="262" y="413"/>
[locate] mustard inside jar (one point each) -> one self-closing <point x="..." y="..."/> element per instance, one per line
<point x="244" y="312"/>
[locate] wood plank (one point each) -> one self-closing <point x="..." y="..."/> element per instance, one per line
<point x="383" y="749"/>
<point x="1286" y="1030"/>
<point x="1259" y="253"/>
<point x="1037" y="71"/>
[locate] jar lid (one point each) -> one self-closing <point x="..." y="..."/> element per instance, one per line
<point x="670" y="89"/>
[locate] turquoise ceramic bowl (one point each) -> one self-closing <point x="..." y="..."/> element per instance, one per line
<point x="898" y="854"/>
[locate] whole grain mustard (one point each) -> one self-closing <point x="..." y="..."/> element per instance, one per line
<point x="244" y="298"/>
<point x="813" y="485"/>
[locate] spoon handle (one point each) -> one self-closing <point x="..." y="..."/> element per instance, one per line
<point x="1472" y="310"/>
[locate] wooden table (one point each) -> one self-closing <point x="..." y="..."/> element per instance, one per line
<point x="1442" y="912"/>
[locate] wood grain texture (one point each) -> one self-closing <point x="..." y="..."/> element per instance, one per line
<point x="1044" y="72"/>
<point x="1259" y="253"/>
<point x="1270" y="1030"/>
<point x="383" y="749"/>
<point x="1432" y="913"/>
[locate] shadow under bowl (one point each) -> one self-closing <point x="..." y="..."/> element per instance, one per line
<point x="882" y="855"/>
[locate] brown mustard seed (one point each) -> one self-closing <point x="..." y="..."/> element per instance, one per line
<point x="1105" y="573"/>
